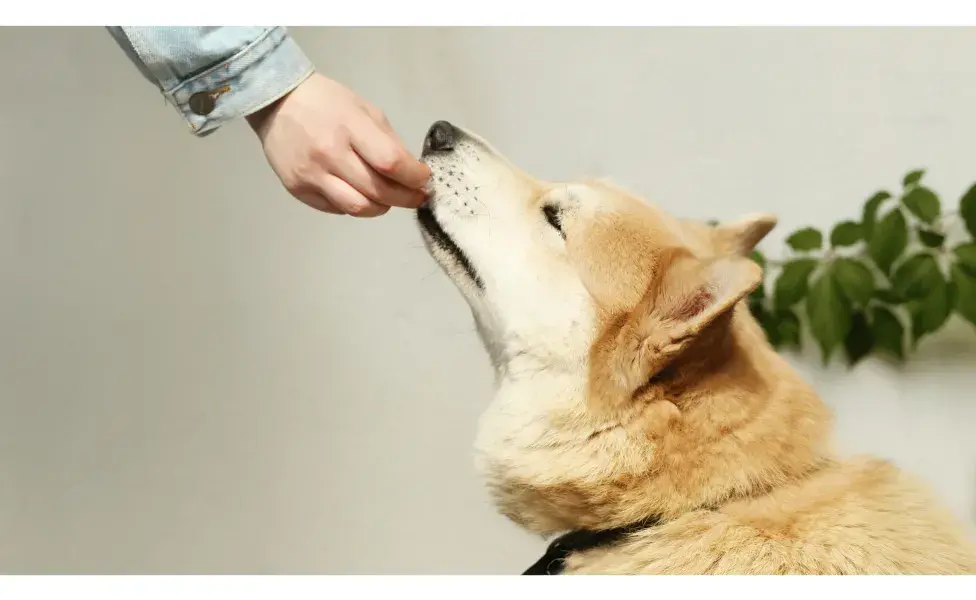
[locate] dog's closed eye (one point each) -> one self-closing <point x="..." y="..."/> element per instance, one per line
<point x="554" y="218"/>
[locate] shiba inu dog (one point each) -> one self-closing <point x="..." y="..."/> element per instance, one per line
<point x="638" y="405"/>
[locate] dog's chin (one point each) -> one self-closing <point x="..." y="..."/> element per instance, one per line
<point x="444" y="248"/>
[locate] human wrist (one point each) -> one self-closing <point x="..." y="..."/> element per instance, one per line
<point x="259" y="119"/>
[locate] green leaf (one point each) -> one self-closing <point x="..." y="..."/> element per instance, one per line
<point x="792" y="284"/>
<point x="854" y="279"/>
<point x="757" y="308"/>
<point x="806" y="239"/>
<point x="914" y="277"/>
<point x="931" y="239"/>
<point x="829" y="314"/>
<point x="967" y="210"/>
<point x="758" y="295"/>
<point x="965" y="300"/>
<point x="888" y="332"/>
<point x="952" y="293"/>
<point x="758" y="258"/>
<point x="782" y="328"/>
<point x="888" y="297"/>
<point x="966" y="254"/>
<point x="789" y="328"/>
<point x="923" y="203"/>
<point x="845" y="233"/>
<point x="930" y="313"/>
<point x="913" y="177"/>
<point x="859" y="340"/>
<point x="870" y="214"/>
<point x="889" y="240"/>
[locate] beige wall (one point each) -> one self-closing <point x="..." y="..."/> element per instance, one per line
<point x="199" y="374"/>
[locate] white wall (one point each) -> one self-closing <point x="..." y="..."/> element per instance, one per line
<point x="199" y="374"/>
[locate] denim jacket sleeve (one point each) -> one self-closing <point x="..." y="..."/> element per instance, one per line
<point x="212" y="75"/>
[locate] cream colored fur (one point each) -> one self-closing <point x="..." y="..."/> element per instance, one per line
<point x="631" y="382"/>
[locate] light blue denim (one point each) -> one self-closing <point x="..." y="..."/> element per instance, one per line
<point x="243" y="69"/>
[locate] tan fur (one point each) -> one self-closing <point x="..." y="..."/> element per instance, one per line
<point x="658" y="394"/>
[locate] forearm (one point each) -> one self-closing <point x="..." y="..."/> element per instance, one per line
<point x="213" y="75"/>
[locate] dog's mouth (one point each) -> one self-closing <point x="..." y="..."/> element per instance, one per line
<point x="440" y="238"/>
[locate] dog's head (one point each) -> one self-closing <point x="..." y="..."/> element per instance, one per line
<point x="612" y="327"/>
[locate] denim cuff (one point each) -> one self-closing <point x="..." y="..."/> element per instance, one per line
<point x="255" y="77"/>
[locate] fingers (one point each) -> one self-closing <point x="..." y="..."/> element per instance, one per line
<point x="318" y="202"/>
<point x="354" y="170"/>
<point x="344" y="184"/>
<point x="337" y="153"/>
<point x="387" y="156"/>
<point x="347" y="199"/>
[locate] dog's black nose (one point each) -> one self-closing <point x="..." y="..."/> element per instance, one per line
<point x="440" y="137"/>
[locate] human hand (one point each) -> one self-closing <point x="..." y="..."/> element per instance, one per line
<point x="337" y="153"/>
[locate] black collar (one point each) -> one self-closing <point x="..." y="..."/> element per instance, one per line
<point x="554" y="560"/>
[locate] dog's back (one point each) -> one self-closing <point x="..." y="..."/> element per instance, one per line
<point x="860" y="516"/>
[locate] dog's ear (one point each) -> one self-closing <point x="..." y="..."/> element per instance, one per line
<point x="687" y="296"/>
<point x="743" y="235"/>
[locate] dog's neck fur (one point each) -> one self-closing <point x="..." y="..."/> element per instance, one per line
<point x="729" y="419"/>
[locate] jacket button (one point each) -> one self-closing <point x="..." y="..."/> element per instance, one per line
<point x="202" y="103"/>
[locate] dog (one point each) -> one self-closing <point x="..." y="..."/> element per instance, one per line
<point x="638" y="404"/>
